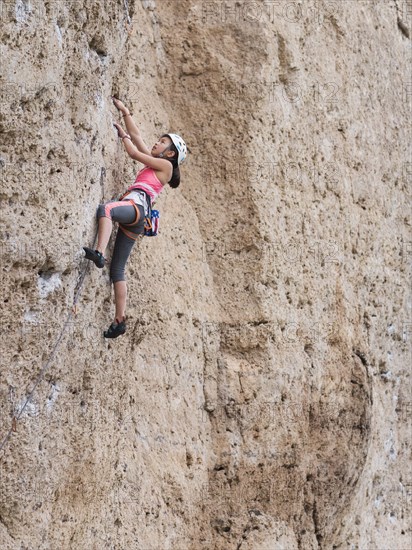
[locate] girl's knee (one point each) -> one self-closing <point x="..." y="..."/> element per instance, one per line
<point x="117" y="274"/>
<point x="117" y="278"/>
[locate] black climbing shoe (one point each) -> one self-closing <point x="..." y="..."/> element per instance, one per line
<point x="95" y="256"/>
<point x="115" y="330"/>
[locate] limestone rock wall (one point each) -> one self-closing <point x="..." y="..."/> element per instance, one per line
<point x="261" y="396"/>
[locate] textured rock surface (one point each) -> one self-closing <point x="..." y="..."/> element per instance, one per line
<point x="261" y="397"/>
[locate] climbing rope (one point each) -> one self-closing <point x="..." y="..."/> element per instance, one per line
<point x="46" y="366"/>
<point x="72" y="312"/>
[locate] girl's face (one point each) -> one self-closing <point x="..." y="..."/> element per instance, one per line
<point x="161" y="145"/>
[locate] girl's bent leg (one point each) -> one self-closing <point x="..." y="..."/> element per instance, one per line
<point x="103" y="236"/>
<point x="118" y="211"/>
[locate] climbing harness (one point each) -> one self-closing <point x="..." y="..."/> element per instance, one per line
<point x="151" y="220"/>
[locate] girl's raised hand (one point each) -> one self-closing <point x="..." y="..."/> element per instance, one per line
<point x="119" y="105"/>
<point x="119" y="129"/>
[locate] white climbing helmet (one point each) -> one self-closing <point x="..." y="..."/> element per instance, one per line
<point x="180" y="146"/>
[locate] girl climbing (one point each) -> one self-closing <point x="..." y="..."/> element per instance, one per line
<point x="161" y="167"/>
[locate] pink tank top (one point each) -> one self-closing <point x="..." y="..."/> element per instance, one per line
<point x="147" y="180"/>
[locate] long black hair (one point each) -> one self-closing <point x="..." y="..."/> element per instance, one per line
<point x="175" y="180"/>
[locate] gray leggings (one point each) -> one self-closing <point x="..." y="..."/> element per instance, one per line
<point x="122" y="212"/>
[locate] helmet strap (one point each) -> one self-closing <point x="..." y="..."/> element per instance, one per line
<point x="161" y="155"/>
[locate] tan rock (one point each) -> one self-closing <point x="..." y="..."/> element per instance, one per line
<point x="260" y="398"/>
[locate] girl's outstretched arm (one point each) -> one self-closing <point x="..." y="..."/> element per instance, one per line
<point x="158" y="164"/>
<point x="133" y="130"/>
<point x="162" y="166"/>
<point x="134" y="133"/>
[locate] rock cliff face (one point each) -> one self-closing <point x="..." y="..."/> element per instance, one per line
<point x="261" y="396"/>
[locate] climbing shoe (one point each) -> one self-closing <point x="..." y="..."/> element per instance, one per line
<point x="95" y="256"/>
<point x="116" y="329"/>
